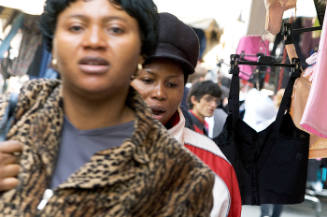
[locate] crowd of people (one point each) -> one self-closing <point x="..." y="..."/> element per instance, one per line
<point x="119" y="133"/>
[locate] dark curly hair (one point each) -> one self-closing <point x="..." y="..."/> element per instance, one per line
<point x="201" y="88"/>
<point x="144" y="11"/>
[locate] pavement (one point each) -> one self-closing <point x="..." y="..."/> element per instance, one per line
<point x="309" y="208"/>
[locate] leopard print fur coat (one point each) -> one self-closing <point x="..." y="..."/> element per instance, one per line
<point x="150" y="174"/>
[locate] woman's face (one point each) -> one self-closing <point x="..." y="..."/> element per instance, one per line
<point x="97" y="47"/>
<point x="161" y="84"/>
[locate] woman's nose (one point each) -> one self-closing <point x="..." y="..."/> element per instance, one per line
<point x="94" y="38"/>
<point x="159" y="92"/>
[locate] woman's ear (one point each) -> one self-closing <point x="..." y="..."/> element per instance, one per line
<point x="54" y="63"/>
<point x="139" y="66"/>
<point x="54" y="59"/>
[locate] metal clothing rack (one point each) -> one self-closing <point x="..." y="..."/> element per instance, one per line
<point x="288" y="32"/>
<point x="236" y="60"/>
<point x="262" y="63"/>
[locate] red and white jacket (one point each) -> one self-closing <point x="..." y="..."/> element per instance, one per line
<point x="227" y="197"/>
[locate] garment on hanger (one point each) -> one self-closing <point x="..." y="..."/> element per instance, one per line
<point x="31" y="40"/>
<point x="271" y="165"/>
<point x="5" y="44"/>
<point x="34" y="68"/>
<point x="320" y="6"/>
<point x="308" y="43"/>
<point x="260" y="110"/>
<point x="274" y="13"/>
<point x="39" y="68"/>
<point x="250" y="47"/>
<point x="314" y="118"/>
<point x="301" y="90"/>
<point x="318" y="145"/>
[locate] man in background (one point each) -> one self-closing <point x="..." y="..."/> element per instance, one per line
<point x="203" y="99"/>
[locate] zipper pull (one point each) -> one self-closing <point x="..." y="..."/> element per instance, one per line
<point x="46" y="197"/>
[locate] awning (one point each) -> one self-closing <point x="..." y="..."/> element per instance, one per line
<point x="211" y="30"/>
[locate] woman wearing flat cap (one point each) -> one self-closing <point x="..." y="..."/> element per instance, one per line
<point x="161" y="84"/>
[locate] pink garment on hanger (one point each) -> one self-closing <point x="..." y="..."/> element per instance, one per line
<point x="314" y="118"/>
<point x="251" y="46"/>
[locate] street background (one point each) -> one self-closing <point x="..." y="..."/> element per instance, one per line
<point x="305" y="209"/>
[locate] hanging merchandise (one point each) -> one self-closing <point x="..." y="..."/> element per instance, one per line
<point x="8" y="117"/>
<point x="318" y="145"/>
<point x="5" y="44"/>
<point x="31" y="40"/>
<point x="271" y="165"/>
<point x="314" y="117"/>
<point x="301" y="90"/>
<point x="316" y="34"/>
<point x="274" y="13"/>
<point x="250" y="47"/>
<point x="260" y="110"/>
<point x="320" y="6"/>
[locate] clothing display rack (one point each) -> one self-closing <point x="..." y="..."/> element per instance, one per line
<point x="262" y="61"/>
<point x="254" y="153"/>
<point x="287" y="31"/>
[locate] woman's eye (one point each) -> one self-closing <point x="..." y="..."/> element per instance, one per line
<point x="116" y="30"/>
<point x="75" y="28"/>
<point x="171" y="85"/>
<point x="147" y="80"/>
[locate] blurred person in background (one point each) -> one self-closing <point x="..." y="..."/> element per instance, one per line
<point x="203" y="98"/>
<point x="217" y="121"/>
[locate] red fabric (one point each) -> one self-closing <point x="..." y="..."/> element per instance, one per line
<point x="173" y="121"/>
<point x="225" y="171"/>
<point x="203" y="122"/>
<point x="196" y="129"/>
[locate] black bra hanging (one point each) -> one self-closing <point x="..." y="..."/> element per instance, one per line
<point x="271" y="165"/>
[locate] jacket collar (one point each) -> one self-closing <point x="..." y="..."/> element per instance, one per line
<point x="119" y="169"/>
<point x="41" y="107"/>
<point x="177" y="131"/>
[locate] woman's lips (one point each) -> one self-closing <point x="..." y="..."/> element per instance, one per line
<point x="93" y="65"/>
<point x="94" y="69"/>
<point x="158" y="113"/>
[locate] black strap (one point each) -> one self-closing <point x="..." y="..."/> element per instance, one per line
<point x="233" y="100"/>
<point x="287" y="97"/>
